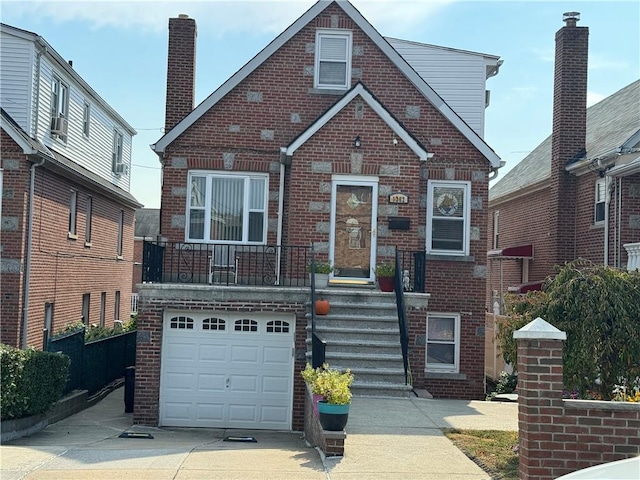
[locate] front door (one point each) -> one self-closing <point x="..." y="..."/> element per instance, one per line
<point x="354" y="211"/>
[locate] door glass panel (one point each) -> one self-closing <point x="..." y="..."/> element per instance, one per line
<point x="352" y="248"/>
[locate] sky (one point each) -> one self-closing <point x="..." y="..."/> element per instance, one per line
<point x="120" y="49"/>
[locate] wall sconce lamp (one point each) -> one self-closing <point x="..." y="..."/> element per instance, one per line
<point x="357" y="142"/>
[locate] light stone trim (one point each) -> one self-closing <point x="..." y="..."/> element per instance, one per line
<point x="480" y="271"/>
<point x="178" y="221"/>
<point x="9" y="224"/>
<point x="295" y="117"/>
<point x="477" y="176"/>
<point x="413" y="111"/>
<point x="178" y="162"/>
<point x="10" y="265"/>
<point x="388" y="210"/>
<point x="234" y="128"/>
<point x="10" y="164"/>
<point x="319" y="207"/>
<point x="308" y="71"/>
<point x="179" y="191"/>
<point x="475" y="233"/>
<point x="254" y="97"/>
<point x="450" y="173"/>
<point x="267" y="134"/>
<point x="228" y="159"/>
<point x="321" y="167"/>
<point x="390" y="170"/>
<point x="323" y="227"/>
<point x="476" y="203"/>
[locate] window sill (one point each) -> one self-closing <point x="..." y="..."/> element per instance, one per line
<point x="327" y="91"/>
<point x="445" y="375"/>
<point x="88" y="244"/>
<point x="450" y="258"/>
<point x="119" y="257"/>
<point x="72" y="236"/>
<point x="597" y="225"/>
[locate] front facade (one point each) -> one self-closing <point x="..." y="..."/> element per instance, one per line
<point x="576" y="195"/>
<point x="328" y="137"/>
<point x="67" y="214"/>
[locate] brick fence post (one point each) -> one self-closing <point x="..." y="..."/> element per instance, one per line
<point x="539" y="397"/>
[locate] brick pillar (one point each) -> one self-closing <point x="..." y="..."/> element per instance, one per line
<point x="539" y="396"/>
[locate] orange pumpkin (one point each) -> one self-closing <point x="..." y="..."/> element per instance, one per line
<point x="322" y="307"/>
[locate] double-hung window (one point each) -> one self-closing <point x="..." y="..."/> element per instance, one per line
<point x="227" y="208"/>
<point x="73" y="207"/>
<point x="443" y="342"/>
<point x="59" y="107"/>
<point x="600" y="194"/>
<point x="333" y="59"/>
<point x="448" y="217"/>
<point x="116" y="164"/>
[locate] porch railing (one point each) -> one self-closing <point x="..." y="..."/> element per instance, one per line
<point x="318" y="345"/>
<point x="400" y="286"/>
<point x="225" y="264"/>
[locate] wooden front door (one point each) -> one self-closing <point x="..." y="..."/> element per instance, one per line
<point x="354" y="212"/>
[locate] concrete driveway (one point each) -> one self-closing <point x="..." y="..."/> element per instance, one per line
<point x="386" y="439"/>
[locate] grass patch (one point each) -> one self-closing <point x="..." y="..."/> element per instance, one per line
<point x="493" y="450"/>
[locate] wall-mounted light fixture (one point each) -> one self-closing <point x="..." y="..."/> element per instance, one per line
<point x="357" y="142"/>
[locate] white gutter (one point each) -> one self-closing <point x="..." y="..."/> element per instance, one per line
<point x="27" y="268"/>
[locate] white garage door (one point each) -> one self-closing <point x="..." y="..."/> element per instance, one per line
<point x="226" y="370"/>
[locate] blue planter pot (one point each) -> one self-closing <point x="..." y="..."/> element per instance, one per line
<point x="333" y="417"/>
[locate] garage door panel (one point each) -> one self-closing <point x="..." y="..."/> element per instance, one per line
<point x="227" y="378"/>
<point x="245" y="353"/>
<point x="213" y="353"/>
<point x="211" y="383"/>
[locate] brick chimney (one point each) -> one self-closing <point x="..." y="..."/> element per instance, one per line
<point x="568" y="139"/>
<point x="181" y="69"/>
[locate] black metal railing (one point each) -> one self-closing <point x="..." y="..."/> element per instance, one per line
<point x="225" y="264"/>
<point x="399" y="288"/>
<point x="412" y="270"/>
<point x="318" y="345"/>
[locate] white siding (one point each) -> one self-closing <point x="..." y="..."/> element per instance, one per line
<point x="93" y="153"/>
<point x="16" y="60"/>
<point x="457" y="76"/>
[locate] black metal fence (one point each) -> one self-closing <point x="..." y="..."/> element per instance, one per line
<point x="225" y="264"/>
<point x="96" y="364"/>
<point x="411" y="270"/>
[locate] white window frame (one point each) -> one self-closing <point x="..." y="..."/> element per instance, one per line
<point x="73" y="215"/>
<point x="438" y="367"/>
<point x="86" y="119"/>
<point x="116" y="154"/>
<point x="600" y="187"/>
<point x="348" y="36"/>
<point x="466" y="216"/>
<point x="247" y="176"/>
<point x="59" y="99"/>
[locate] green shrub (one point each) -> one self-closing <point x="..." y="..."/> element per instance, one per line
<point x="32" y="381"/>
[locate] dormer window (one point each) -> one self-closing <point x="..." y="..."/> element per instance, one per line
<point x="59" y="107"/>
<point x="333" y="59"/>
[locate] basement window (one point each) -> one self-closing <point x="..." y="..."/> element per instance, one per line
<point x="443" y="342"/>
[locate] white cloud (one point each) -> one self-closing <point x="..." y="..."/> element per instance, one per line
<point x="250" y="16"/>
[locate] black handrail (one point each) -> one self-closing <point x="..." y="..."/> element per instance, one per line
<point x="402" y="319"/>
<point x="318" y="346"/>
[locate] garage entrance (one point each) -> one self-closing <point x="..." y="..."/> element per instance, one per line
<point x="227" y="370"/>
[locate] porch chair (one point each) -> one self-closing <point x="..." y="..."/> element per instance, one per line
<point x="223" y="260"/>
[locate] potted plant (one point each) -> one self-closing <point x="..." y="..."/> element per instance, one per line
<point x="322" y="271"/>
<point x="385" y="274"/>
<point x="335" y="385"/>
<point x="310" y="375"/>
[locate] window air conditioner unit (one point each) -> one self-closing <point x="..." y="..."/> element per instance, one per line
<point x="59" y="126"/>
<point x="121" y="169"/>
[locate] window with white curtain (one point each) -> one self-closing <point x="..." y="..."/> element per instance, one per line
<point x="448" y="217"/>
<point x="333" y="59"/>
<point x="598" y="212"/>
<point x="227" y="208"/>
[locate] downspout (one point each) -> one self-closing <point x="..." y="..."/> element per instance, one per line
<point x="607" y="202"/>
<point x="280" y="213"/>
<point x="27" y="268"/>
<point x="493" y="173"/>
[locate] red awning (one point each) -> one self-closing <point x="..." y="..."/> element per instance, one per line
<point x="521" y="251"/>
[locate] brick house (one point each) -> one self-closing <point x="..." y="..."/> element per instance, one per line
<point x="330" y="137"/>
<point x="67" y="214"/>
<point x="576" y="195"/>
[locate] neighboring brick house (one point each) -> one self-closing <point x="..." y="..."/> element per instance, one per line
<point x="576" y="195"/>
<point x="67" y="214"/>
<point x="330" y="136"/>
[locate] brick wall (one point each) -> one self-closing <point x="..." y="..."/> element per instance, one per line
<point x="560" y="436"/>
<point x="62" y="268"/>
<point x="331" y="443"/>
<point x="246" y="128"/>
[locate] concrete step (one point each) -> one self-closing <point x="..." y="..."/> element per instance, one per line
<point x="330" y="333"/>
<point x="374" y="361"/>
<point x="377" y="389"/>
<point x="356" y="321"/>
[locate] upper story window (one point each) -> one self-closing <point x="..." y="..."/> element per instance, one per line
<point x="86" y="119"/>
<point x="333" y="59"/>
<point x="226" y="207"/>
<point x="59" y="107"/>
<point x="448" y="217"/>
<point x="73" y="211"/>
<point x="600" y="196"/>
<point x="117" y="165"/>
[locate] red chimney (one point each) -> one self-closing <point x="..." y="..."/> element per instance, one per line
<point x="568" y="139"/>
<point x="181" y="69"/>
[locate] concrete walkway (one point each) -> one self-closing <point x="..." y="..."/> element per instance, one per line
<point x="386" y="439"/>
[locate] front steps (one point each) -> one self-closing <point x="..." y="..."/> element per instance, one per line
<point x="361" y="332"/>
